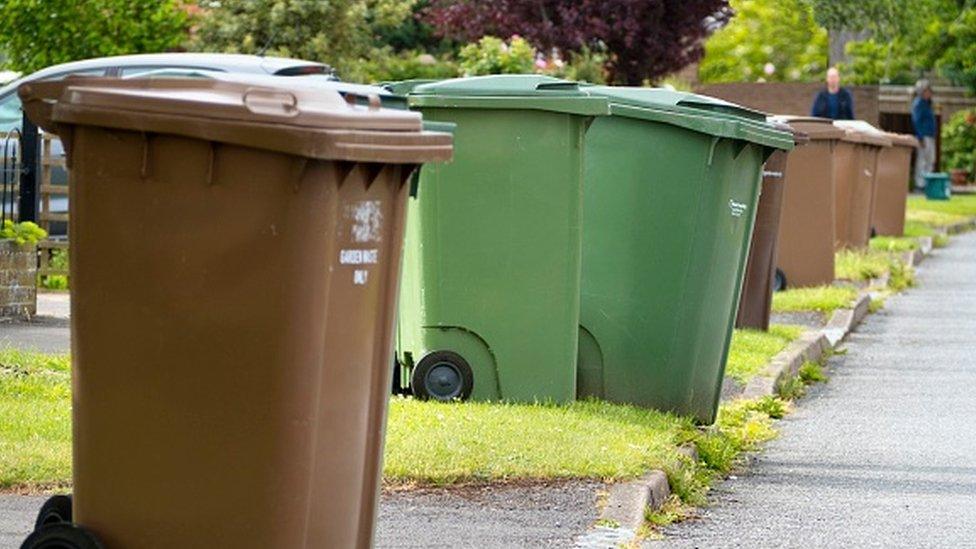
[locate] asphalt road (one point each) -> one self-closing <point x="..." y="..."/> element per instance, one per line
<point x="543" y="515"/>
<point x="17" y="514"/>
<point x="884" y="455"/>
<point x="48" y="332"/>
<point x="506" y="516"/>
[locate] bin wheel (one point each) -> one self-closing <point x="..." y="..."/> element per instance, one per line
<point x="442" y="375"/>
<point x="397" y="388"/>
<point x="56" y="510"/>
<point x="874" y="232"/>
<point x="779" y="281"/>
<point x="62" y="536"/>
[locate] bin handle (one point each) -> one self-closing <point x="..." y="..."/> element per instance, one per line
<point x="372" y="99"/>
<point x="271" y="102"/>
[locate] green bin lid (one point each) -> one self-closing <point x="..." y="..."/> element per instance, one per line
<point x="694" y="112"/>
<point x="509" y="91"/>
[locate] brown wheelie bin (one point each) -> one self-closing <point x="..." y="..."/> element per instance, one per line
<point x="234" y="269"/>
<point x="855" y="168"/>
<point x="760" y="278"/>
<point x="805" y="251"/>
<point x="891" y="189"/>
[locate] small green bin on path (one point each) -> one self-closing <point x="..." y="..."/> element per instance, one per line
<point x="937" y="186"/>
<point x="489" y="304"/>
<point x="672" y="183"/>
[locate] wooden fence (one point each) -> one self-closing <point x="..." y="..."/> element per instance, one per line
<point x="45" y="217"/>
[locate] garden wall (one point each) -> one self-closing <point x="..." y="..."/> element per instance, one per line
<point x="18" y="279"/>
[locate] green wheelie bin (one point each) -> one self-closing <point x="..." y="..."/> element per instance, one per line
<point x="670" y="195"/>
<point x="489" y="307"/>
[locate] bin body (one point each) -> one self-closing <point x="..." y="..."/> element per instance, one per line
<point x="805" y="253"/>
<point x="757" y="286"/>
<point x="492" y="257"/>
<point x="855" y="171"/>
<point x="937" y="186"/>
<point x="669" y="203"/>
<point x="891" y="190"/>
<point x="234" y="284"/>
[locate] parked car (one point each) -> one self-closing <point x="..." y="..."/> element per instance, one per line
<point x="131" y="66"/>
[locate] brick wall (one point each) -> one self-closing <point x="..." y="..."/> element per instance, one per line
<point x="18" y="279"/>
<point x="790" y="97"/>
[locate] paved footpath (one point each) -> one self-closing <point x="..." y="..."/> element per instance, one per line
<point x="884" y="455"/>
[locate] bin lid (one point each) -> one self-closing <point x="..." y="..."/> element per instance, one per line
<point x="859" y="131"/>
<point x="902" y="139"/>
<point x="312" y="119"/>
<point x="403" y="87"/>
<point x="799" y="137"/>
<point x="815" y="128"/>
<point x="694" y="112"/>
<point x="509" y="91"/>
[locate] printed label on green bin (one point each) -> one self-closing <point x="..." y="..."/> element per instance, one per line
<point x="737" y="208"/>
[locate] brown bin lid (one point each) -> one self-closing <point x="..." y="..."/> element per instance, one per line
<point x="315" y="122"/>
<point x="902" y="139"/>
<point x="814" y="128"/>
<point x="799" y="136"/>
<point x="859" y="131"/>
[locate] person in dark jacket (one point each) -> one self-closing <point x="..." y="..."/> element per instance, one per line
<point x="833" y="102"/>
<point x="923" y="121"/>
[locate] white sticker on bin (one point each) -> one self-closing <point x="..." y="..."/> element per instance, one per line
<point x="358" y="257"/>
<point x="367" y="217"/>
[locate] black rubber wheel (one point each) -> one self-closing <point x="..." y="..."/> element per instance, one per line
<point x="779" y="281"/>
<point x="442" y="375"/>
<point x="874" y="232"/>
<point x="62" y="536"/>
<point x="56" y="510"/>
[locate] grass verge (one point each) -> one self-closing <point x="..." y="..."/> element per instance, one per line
<point x="35" y="420"/>
<point x="751" y="350"/>
<point x="865" y="265"/>
<point x="894" y="243"/>
<point x="961" y="207"/>
<point x="445" y="443"/>
<point x="824" y="299"/>
<point x="916" y="229"/>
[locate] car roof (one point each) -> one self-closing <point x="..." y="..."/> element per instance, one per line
<point x="230" y="62"/>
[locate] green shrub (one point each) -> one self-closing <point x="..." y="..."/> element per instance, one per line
<point x="385" y="65"/>
<point x="959" y="141"/>
<point x="492" y="55"/>
<point x="25" y="232"/>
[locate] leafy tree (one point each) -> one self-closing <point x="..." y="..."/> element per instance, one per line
<point x="871" y="62"/>
<point x="642" y="39"/>
<point x="38" y="33"/>
<point x="338" y="32"/>
<point x="768" y="40"/>
<point x="958" y="61"/>
<point x="937" y="34"/>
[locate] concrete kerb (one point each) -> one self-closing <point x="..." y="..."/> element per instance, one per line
<point x="627" y="502"/>
<point x="961" y="227"/>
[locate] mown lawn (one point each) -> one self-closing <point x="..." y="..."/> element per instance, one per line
<point x="35" y="419"/>
<point x="823" y="299"/>
<point x="431" y="443"/>
<point x="961" y="207"/>
<point x="752" y="350"/>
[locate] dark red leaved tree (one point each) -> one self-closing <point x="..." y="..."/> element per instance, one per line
<point x="645" y="39"/>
